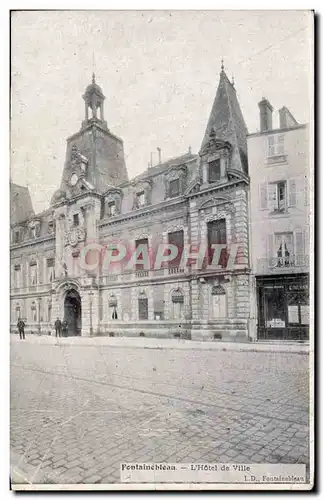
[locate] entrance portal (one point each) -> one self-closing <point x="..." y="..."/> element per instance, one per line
<point x="72" y="312"/>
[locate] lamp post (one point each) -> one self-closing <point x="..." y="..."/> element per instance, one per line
<point x="91" y="328"/>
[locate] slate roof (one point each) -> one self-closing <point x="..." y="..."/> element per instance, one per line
<point x="21" y="207"/>
<point x="227" y="120"/>
<point x="162" y="167"/>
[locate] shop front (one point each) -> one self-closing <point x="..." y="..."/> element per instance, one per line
<point x="283" y="307"/>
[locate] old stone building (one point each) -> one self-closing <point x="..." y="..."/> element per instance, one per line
<point x="194" y="199"/>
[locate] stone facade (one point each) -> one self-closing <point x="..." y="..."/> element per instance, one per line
<point x="97" y="205"/>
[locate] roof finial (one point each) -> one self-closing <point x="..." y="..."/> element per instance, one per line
<point x="93" y="67"/>
<point x="233" y="83"/>
<point x="93" y="78"/>
<point x="189" y="150"/>
<point x="222" y="66"/>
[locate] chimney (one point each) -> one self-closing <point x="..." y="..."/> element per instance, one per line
<point x="159" y="152"/>
<point x="286" y="119"/>
<point x="265" y="115"/>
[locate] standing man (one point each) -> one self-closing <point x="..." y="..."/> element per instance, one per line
<point x="58" y="327"/>
<point x="21" y="328"/>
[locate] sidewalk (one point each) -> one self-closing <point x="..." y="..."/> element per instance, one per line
<point x="154" y="343"/>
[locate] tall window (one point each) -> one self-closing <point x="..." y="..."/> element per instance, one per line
<point x="143" y="243"/>
<point x="17" y="312"/>
<point x="50" y="270"/>
<point x="49" y="312"/>
<point x="284" y="248"/>
<point x="217" y="236"/>
<point x="140" y="199"/>
<point x="219" y="304"/>
<point x="276" y="145"/>
<point x="17" y="282"/>
<point x="177" y="239"/>
<point x="33" y="274"/>
<point x="142" y="307"/>
<point x="214" y="170"/>
<point x="177" y="304"/>
<point x="174" y="188"/>
<point x="277" y="194"/>
<point x="113" y="308"/>
<point x="34" y="312"/>
<point x="111" y="209"/>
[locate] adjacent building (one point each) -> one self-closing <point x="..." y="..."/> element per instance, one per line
<point x="187" y="201"/>
<point x="279" y="225"/>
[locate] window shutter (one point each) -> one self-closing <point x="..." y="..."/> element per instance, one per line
<point x="299" y="242"/>
<point x="263" y="196"/>
<point x="270" y="246"/>
<point x="292" y="194"/>
<point x="272" y="197"/>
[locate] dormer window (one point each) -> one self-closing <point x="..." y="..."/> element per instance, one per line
<point x="214" y="170"/>
<point x="140" y="198"/>
<point x="174" y="188"/>
<point x="76" y="221"/>
<point x="33" y="232"/>
<point x="111" y="209"/>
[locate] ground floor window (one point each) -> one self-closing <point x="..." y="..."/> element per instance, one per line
<point x="142" y="308"/>
<point x="177" y="304"/>
<point x="218" y="307"/>
<point x="113" y="308"/>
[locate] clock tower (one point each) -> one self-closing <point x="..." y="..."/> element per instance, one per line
<point x="94" y="155"/>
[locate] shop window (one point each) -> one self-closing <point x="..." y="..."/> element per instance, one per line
<point x="274" y="307"/>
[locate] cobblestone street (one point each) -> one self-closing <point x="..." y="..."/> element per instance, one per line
<point x="78" y="411"/>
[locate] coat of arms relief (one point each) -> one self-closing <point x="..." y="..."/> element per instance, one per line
<point x="75" y="231"/>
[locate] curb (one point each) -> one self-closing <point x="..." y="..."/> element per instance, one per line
<point x="224" y="347"/>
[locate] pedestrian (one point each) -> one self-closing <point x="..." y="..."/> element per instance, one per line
<point x="65" y="328"/>
<point x="21" y="328"/>
<point x="58" y="327"/>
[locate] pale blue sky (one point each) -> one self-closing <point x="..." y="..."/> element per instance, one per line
<point x="159" y="72"/>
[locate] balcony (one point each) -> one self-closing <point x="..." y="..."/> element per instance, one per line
<point x="176" y="270"/>
<point x="291" y="264"/>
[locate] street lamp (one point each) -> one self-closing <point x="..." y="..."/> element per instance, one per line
<point x="91" y="329"/>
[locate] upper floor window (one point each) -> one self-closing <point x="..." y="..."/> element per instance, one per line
<point x="140" y="198"/>
<point x="278" y="196"/>
<point x="111" y="209"/>
<point x="76" y="220"/>
<point x="17" y="282"/>
<point x="141" y="245"/>
<point x="276" y="145"/>
<point x="177" y="239"/>
<point x="216" y="230"/>
<point x="214" y="170"/>
<point x="174" y="188"/>
<point x="33" y="232"/>
<point x="50" y="270"/>
<point x="33" y="273"/>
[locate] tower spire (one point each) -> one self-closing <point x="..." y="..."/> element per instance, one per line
<point x="222" y="65"/>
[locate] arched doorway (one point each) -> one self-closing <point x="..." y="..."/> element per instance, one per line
<point x="72" y="312"/>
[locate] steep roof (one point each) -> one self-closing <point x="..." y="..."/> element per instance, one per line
<point x="162" y="167"/>
<point x="228" y="123"/>
<point x="21" y="207"/>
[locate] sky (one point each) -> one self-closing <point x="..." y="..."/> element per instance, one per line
<point x="159" y="71"/>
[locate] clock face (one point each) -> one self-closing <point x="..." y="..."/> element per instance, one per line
<point x="74" y="179"/>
